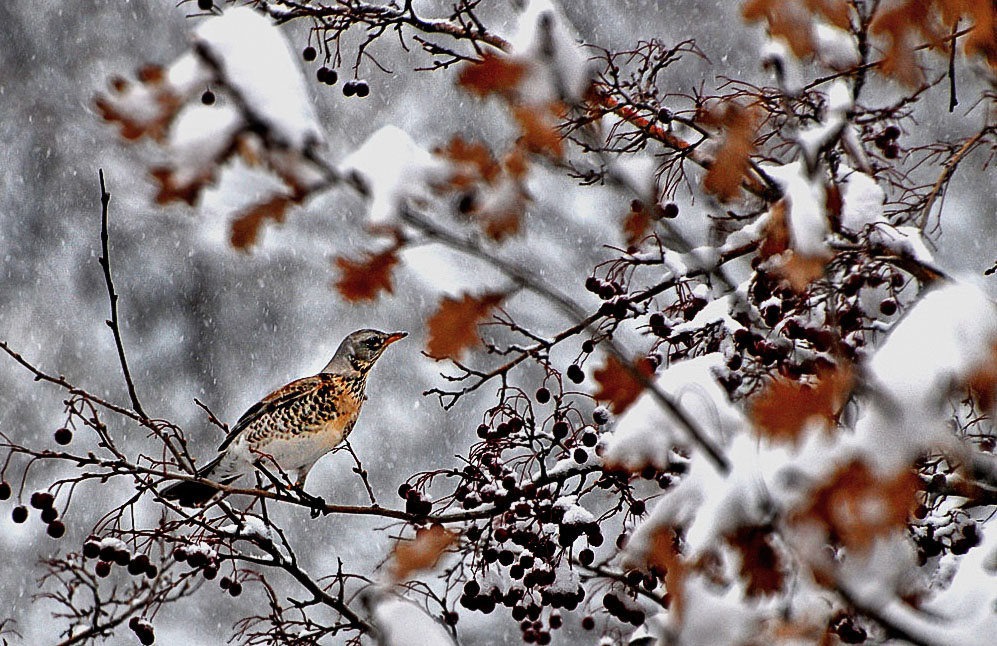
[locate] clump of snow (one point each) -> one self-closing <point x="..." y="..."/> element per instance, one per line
<point x="199" y="137"/>
<point x="815" y="138"/>
<point x="862" y="201"/>
<point x="906" y="241"/>
<point x="558" y="66"/>
<point x="574" y="514"/>
<point x="836" y="48"/>
<point x="393" y="168"/>
<point x="777" y="56"/>
<point x="645" y="432"/>
<point x="806" y="218"/>
<point x="401" y="623"/>
<point x="943" y="340"/>
<point x="255" y="62"/>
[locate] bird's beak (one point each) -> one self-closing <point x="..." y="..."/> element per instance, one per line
<point x="397" y="336"/>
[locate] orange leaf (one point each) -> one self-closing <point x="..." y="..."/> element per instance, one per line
<point x="246" y="227"/>
<point x="636" y="225"/>
<point x="730" y="162"/>
<point x="619" y="386"/>
<point x="759" y="562"/>
<point x="855" y="506"/>
<point x="363" y="280"/>
<point x="470" y="154"/>
<point x="495" y="73"/>
<point x="174" y="185"/>
<point x="775" y="238"/>
<point x="783" y="408"/>
<point x="454" y="326"/>
<point x="421" y="553"/>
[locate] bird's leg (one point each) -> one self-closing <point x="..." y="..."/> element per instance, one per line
<point x="317" y="503"/>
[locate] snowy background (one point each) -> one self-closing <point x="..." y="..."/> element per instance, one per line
<point x="202" y="320"/>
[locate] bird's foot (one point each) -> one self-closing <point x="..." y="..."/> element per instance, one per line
<point x="315" y="503"/>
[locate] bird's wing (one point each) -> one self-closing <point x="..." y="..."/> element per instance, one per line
<point x="274" y="401"/>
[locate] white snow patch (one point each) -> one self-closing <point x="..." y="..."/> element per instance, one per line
<point x="806" y="218"/>
<point x="559" y="67"/>
<point x="402" y="623"/>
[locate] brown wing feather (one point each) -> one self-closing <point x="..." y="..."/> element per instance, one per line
<point x="274" y="401"/>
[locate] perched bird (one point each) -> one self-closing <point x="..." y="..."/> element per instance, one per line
<point x="293" y="426"/>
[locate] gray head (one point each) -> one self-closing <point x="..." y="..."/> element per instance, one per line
<point x="359" y="351"/>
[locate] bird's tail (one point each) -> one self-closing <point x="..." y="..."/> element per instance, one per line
<point x="192" y="494"/>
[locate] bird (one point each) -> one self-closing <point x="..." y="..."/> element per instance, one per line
<point x="295" y="425"/>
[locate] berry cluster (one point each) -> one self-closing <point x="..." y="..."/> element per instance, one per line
<point x="42" y="501"/>
<point x="142" y="628"/>
<point x="416" y="503"/>
<point x="328" y="76"/>
<point x="199" y="557"/>
<point x="886" y="141"/>
<point x="110" y="551"/>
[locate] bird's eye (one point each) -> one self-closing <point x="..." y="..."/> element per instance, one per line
<point x="370" y="343"/>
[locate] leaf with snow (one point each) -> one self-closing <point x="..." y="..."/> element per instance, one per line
<point x="618" y="384"/>
<point x="402" y="623"/>
<point x="422" y="552"/>
<point x="365" y="279"/>
<point x="760" y="564"/>
<point x="454" y="327"/>
<point x="539" y="127"/>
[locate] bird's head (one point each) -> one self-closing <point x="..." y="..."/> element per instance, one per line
<point x="360" y="350"/>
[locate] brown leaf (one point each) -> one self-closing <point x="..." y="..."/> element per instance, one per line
<point x="782" y="410"/>
<point x="801" y="270"/>
<point x="636" y="224"/>
<point x="501" y="224"/>
<point x="855" y="505"/>
<point x="246" y="227"/>
<point x="454" y="327"/>
<point x="775" y="238"/>
<point x="539" y="130"/>
<point x="619" y="386"/>
<point x="759" y="561"/>
<point x="421" y="553"/>
<point x="982" y="383"/>
<point x="175" y="186"/>
<point x="473" y="161"/>
<point x="665" y="558"/>
<point x="364" y="280"/>
<point x="495" y="73"/>
<point x="730" y="162"/>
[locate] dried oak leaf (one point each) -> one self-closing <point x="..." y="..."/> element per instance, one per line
<point x="783" y="409"/>
<point x="799" y="269"/>
<point x="794" y="20"/>
<point x="636" y="225"/>
<point x="618" y="385"/>
<point x="730" y="163"/>
<point x="855" y="505"/>
<point x="364" y="280"/>
<point x="145" y="108"/>
<point x="422" y="552"/>
<point x="246" y="227"/>
<point x="454" y="327"/>
<point x="180" y="184"/>
<point x="495" y="73"/>
<point x="760" y="565"/>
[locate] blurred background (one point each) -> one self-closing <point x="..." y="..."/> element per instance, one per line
<point x="202" y="320"/>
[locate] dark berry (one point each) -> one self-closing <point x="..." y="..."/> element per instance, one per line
<point x="664" y="115"/>
<point x="349" y="88"/>
<point x="588" y="346"/>
<point x="63" y="436"/>
<point x="133" y="623"/>
<point x="891" y="151"/>
<point x="49" y="514"/>
<point x="471" y="588"/>
<point x="208" y="97"/>
<point x="888" y="307"/>
<point x="308" y="53"/>
<point x="638" y="508"/>
<point x="588" y="623"/>
<point x="483" y="431"/>
<point x="450" y="618"/>
<point x="734" y="363"/>
<point x="91" y="549"/>
<point x="138" y="565"/>
<point x="670" y="210"/>
<point x="362" y="88"/>
<point x="210" y="572"/>
<point x="56" y="529"/>
<point x="575" y="373"/>
<point x="543" y="395"/>
<point x="235" y="589"/>
<point x="151" y="571"/>
<point x="102" y="569"/>
<point x="593" y="284"/>
<point x="589" y="438"/>
<point x="147" y="637"/>
<point x="586" y="556"/>
<point x="4" y="490"/>
<point x="580" y="455"/>
<point x="600" y="416"/>
<point x="19" y="514"/>
<point x="122" y="557"/>
<point x="42" y="499"/>
<point x="891" y="132"/>
<point x="560" y="430"/>
<point x="107" y="553"/>
<point x="403" y="490"/>
<point x="205" y="5"/>
<point x="506" y="557"/>
<point x="180" y="554"/>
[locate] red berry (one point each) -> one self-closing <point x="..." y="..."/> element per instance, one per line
<point x="91" y="549"/>
<point x="49" y="514"/>
<point x="670" y="210"/>
<point x="235" y="589"/>
<point x="56" y="529"/>
<point x="543" y="395"/>
<point x="362" y="89"/>
<point x="63" y="436"/>
<point x="102" y="569"/>
<point x="308" y="53"/>
<point x="42" y="499"/>
<point x="349" y="88"/>
<point x="575" y="373"/>
<point x="888" y="307"/>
